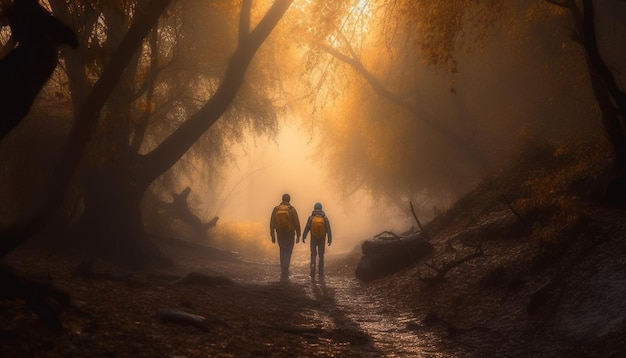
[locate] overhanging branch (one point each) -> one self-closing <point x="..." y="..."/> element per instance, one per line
<point x="178" y="143"/>
<point x="244" y="20"/>
<point x="85" y="121"/>
<point x="465" y="147"/>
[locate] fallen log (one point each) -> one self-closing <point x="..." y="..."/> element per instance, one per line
<point x="183" y="318"/>
<point x="384" y="256"/>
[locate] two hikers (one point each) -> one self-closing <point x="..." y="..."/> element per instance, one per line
<point x="319" y="226"/>
<point x="284" y="224"/>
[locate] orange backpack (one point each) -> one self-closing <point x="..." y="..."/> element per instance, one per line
<point x="318" y="227"/>
<point x="283" y="219"/>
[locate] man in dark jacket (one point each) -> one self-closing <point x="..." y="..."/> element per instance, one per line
<point x="284" y="223"/>
<point x="319" y="226"/>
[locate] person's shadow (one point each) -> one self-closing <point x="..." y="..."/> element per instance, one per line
<point x="345" y="328"/>
<point x="300" y="312"/>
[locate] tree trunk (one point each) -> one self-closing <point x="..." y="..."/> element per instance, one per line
<point x="80" y="135"/>
<point x="110" y="225"/>
<point x="178" y="143"/>
<point x="610" y="99"/>
<point x="111" y="221"/>
<point x="605" y="89"/>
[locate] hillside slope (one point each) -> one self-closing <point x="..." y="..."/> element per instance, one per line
<point x="552" y="280"/>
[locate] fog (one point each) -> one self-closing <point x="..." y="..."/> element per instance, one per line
<point x="507" y="91"/>
<point x="266" y="168"/>
<point x="418" y="119"/>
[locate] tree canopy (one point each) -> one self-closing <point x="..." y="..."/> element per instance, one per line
<point x="420" y="99"/>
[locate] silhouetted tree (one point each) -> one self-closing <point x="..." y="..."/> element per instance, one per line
<point x="111" y="222"/>
<point x="32" y="57"/>
<point x="610" y="97"/>
<point x="86" y="119"/>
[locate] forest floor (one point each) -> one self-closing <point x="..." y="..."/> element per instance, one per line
<point x="255" y="313"/>
<point x="551" y="283"/>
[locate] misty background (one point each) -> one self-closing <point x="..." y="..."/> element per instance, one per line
<point x="364" y="106"/>
<point x="503" y="95"/>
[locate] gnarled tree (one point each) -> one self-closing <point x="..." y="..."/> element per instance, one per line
<point x="118" y="173"/>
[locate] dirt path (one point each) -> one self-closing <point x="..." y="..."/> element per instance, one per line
<point x="116" y="313"/>
<point x="338" y="310"/>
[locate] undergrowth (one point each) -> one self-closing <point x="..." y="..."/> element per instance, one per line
<point x="250" y="239"/>
<point x="557" y="196"/>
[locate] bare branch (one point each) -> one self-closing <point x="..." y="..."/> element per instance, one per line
<point x="396" y="236"/>
<point x="179" y="209"/>
<point x="418" y="221"/>
<point x="244" y="20"/>
<point x="441" y="272"/>
<point x="517" y="215"/>
<point x="476" y="156"/>
<point x="178" y="143"/>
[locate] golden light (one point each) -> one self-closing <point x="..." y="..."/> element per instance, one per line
<point x="355" y="25"/>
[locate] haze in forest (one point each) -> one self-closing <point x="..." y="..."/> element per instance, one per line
<point x="265" y="169"/>
<point x="364" y="106"/>
<point x="144" y="144"/>
<point x="502" y="99"/>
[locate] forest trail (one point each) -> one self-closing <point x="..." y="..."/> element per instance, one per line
<point x="253" y="313"/>
<point x="336" y="310"/>
<point x="117" y="313"/>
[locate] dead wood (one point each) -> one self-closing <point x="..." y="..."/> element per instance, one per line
<point x="418" y="221"/>
<point x="517" y="215"/>
<point x="179" y="209"/>
<point x="183" y="318"/>
<point x="394" y="236"/>
<point x="441" y="272"/>
<point x="383" y="257"/>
